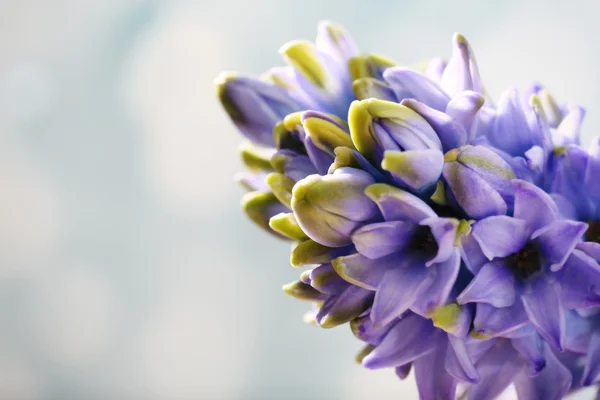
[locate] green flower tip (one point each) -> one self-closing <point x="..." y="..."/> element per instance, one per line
<point x="445" y="317"/>
<point x="302" y="55"/>
<point x="302" y="291"/>
<point x="222" y="81"/>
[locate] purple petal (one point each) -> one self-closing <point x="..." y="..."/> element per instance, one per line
<point x="409" y="339"/>
<point x="364" y="329"/>
<point x="463" y="108"/>
<point x="497" y="369"/>
<point x="458" y="362"/>
<point x="592" y="366"/>
<point x="417" y="169"/>
<point x="254" y="106"/>
<point x="383" y="238"/>
<point x="398" y="205"/>
<point x="399" y="289"/>
<point x="491" y="167"/>
<point x="499" y="322"/>
<point x="452" y="134"/>
<point x="320" y="158"/>
<point x="435" y="69"/>
<point x="403" y="371"/>
<point x="433" y="382"/>
<point x="533" y="205"/>
<point x="444" y="230"/>
<point x="329" y="208"/>
<point x="494" y="284"/>
<point x="472" y="193"/>
<point x="580" y="281"/>
<point x="552" y="383"/>
<point x="362" y="271"/>
<point x="404" y="80"/>
<point x="344" y="307"/>
<point x="462" y="72"/>
<point x="471" y="253"/>
<point x="570" y="127"/>
<point x="333" y="39"/>
<point x="511" y="130"/>
<point x="542" y="305"/>
<point x="326" y="280"/>
<point x="558" y="239"/>
<point x="531" y="349"/>
<point x="438" y="292"/>
<point x="499" y="236"/>
<point x="577" y="336"/>
<point x="292" y="164"/>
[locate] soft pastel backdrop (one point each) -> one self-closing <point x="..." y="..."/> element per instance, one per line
<point x="127" y="270"/>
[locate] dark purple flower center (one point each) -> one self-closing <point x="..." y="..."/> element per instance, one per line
<point x="526" y="262"/>
<point x="593" y="232"/>
<point x="424" y="242"/>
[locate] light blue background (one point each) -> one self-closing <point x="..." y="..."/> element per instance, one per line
<point x="127" y="270"/>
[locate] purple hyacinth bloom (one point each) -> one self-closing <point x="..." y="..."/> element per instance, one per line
<point x="410" y="260"/>
<point x="458" y="239"/>
<point x="516" y="281"/>
<point x="478" y="181"/>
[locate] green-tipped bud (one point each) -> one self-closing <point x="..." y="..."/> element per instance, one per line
<point x="303" y="56"/>
<point x="281" y="185"/>
<point x="369" y="66"/>
<point x="329" y="208"/>
<point x="453" y="318"/>
<point x="367" y="88"/>
<point x="325" y="132"/>
<point x="254" y="157"/>
<point x="302" y="291"/>
<point x="365" y="351"/>
<point x="286" y="225"/>
<point x="261" y="206"/>
<point x="310" y="252"/>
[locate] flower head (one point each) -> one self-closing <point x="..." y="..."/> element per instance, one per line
<point x="459" y="239"/>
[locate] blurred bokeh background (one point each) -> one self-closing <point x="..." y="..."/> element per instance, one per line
<point x="127" y="270"/>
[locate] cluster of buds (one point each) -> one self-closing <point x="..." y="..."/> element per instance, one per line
<point x="456" y="237"/>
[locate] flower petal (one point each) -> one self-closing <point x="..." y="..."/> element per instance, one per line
<point x="362" y="271"/>
<point x="463" y="108"/>
<point x="411" y="338"/>
<point x="399" y="289"/>
<point x="438" y="292"/>
<point x="398" y="205"/>
<point x="494" y="284"/>
<point x="445" y="231"/>
<point x="382" y="238"/>
<point x="404" y="80"/>
<point x="472" y="193"/>
<point x="542" y="305"/>
<point x="417" y="169"/>
<point x="451" y="133"/>
<point x="462" y="72"/>
<point x="552" y="383"/>
<point x="531" y="349"/>
<point x="592" y="365"/>
<point x="497" y="369"/>
<point x="499" y="236"/>
<point x="433" y="382"/>
<point x="558" y="239"/>
<point x="471" y="253"/>
<point x="580" y="281"/>
<point x="458" y="362"/>
<point x="344" y="307"/>
<point x="491" y="321"/>
<point x="533" y="205"/>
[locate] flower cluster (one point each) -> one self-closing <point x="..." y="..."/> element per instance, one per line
<point x="456" y="237"/>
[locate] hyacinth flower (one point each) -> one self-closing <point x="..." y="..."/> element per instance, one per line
<point x="458" y="239"/>
<point x="516" y="281"/>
